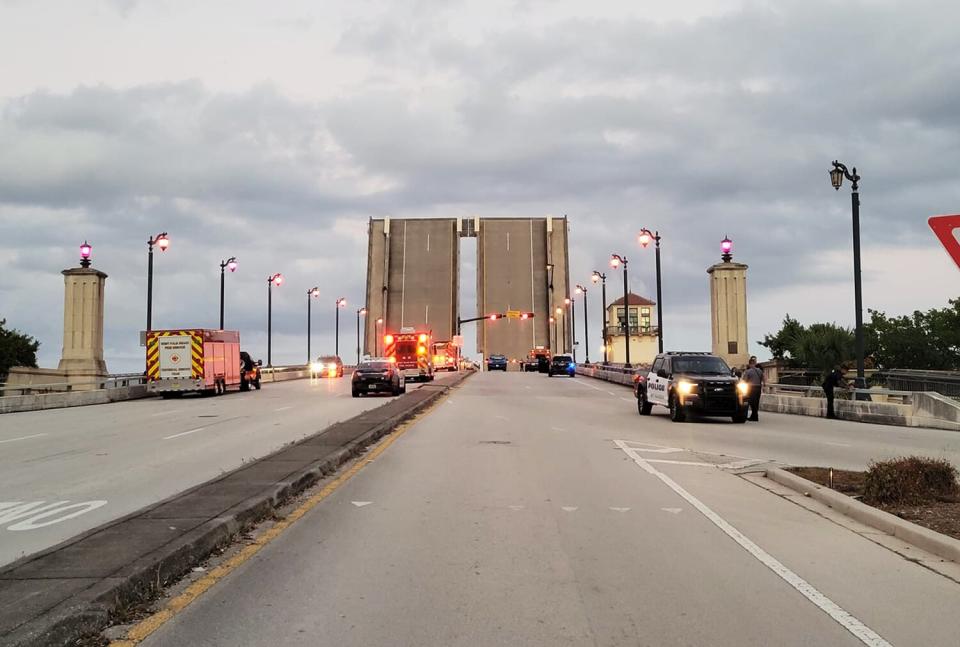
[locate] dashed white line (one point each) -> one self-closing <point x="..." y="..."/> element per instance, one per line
<point x="693" y="463"/>
<point x="627" y="399"/>
<point x="10" y="440"/>
<point x="284" y="408"/>
<point x="184" y="433"/>
<point x="866" y="635"/>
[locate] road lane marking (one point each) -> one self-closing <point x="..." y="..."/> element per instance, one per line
<point x="515" y="507"/>
<point x="360" y="504"/>
<point x="184" y="433"/>
<point x="628" y="399"/>
<point x="139" y="632"/>
<point x="672" y="510"/>
<point x="31" y="515"/>
<point x="10" y="440"/>
<point x="557" y="429"/>
<point x="582" y="383"/>
<point x="165" y="413"/>
<point x="569" y="508"/>
<point x="694" y="463"/>
<point x="866" y="635"/>
<point x="827" y="442"/>
<point x="619" y="509"/>
<point x="284" y="408"/>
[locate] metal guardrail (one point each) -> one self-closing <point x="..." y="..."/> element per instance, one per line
<point x="796" y="390"/>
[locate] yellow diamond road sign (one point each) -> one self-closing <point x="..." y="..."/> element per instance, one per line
<point x="513" y="314"/>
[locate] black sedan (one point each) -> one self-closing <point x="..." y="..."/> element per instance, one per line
<point x="378" y="376"/>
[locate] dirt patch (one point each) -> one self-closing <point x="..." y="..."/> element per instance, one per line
<point x="941" y="516"/>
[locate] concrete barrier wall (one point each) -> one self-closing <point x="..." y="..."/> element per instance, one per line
<point x="927" y="409"/>
<point x="36" y="402"/>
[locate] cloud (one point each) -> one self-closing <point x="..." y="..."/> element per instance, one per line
<point x="721" y="124"/>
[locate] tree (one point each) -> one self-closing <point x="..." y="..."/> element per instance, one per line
<point x="782" y="344"/>
<point x="924" y="340"/>
<point x="16" y="349"/>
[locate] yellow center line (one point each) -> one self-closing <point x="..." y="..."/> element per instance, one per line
<point x="140" y="631"/>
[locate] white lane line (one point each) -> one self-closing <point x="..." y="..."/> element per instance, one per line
<point x="165" y="413"/>
<point x="827" y="442"/>
<point x="515" y="507"/>
<point x="284" y="408"/>
<point x="582" y="383"/>
<point x="627" y="399"/>
<point x="619" y="509"/>
<point x="866" y="635"/>
<point x="612" y="393"/>
<point x="184" y="433"/>
<point x="557" y="429"/>
<point x="10" y="440"/>
<point x="694" y="463"/>
<point x="672" y="510"/>
<point x="569" y="508"/>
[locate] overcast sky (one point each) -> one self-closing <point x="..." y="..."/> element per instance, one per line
<point x="272" y="131"/>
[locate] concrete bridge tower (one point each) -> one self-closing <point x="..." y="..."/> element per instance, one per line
<point x="728" y="308"/>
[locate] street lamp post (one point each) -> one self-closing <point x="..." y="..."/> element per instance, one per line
<point x="572" y="317"/>
<point x="586" y="335"/>
<point x="360" y="313"/>
<point x="615" y="261"/>
<point x="376" y="334"/>
<point x="161" y="241"/>
<point x="232" y="264"/>
<point x="645" y="237"/>
<point x="837" y="173"/>
<point x="85" y="250"/>
<point x="553" y="320"/>
<point x="557" y="329"/>
<point x="341" y="302"/>
<point x="312" y="293"/>
<point x="276" y="279"/>
<point x="597" y="276"/>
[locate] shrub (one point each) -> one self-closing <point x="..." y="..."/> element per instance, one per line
<point x="910" y="480"/>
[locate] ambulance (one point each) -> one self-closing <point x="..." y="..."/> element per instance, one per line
<point x="409" y="349"/>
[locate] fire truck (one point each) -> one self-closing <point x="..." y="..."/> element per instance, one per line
<point x="409" y="349"/>
<point x="193" y="360"/>
<point x="446" y="356"/>
<point x="536" y="358"/>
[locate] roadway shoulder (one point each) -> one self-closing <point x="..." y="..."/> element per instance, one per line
<point x="933" y="542"/>
<point x="60" y="594"/>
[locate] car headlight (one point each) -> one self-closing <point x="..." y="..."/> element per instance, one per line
<point x="743" y="388"/>
<point x="316" y="367"/>
<point x="685" y="387"/>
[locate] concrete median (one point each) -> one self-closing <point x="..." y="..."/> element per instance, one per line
<point x="63" y="593"/>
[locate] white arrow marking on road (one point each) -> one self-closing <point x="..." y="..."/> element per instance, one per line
<point x="10" y="440"/>
<point x="360" y="504"/>
<point x="568" y="508"/>
<point x="672" y="510"/>
<point x="619" y="509"/>
<point x="515" y="507"/>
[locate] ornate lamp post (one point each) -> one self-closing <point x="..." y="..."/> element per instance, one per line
<point x="85" y="251"/>
<point x="276" y="279"/>
<point x="644" y="238"/>
<point x="570" y="314"/>
<point x="599" y="277"/>
<point x="586" y="335"/>
<point x="163" y="242"/>
<point x="230" y="263"/>
<point x="616" y="261"/>
<point x="837" y="173"/>
<point x="341" y="303"/>
<point x="376" y="334"/>
<point x="312" y="293"/>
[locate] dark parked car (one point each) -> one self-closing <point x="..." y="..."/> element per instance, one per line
<point x="496" y="363"/>
<point x="327" y="366"/>
<point x="378" y="375"/>
<point x="562" y="365"/>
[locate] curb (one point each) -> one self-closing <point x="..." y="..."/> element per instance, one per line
<point x="942" y="546"/>
<point x="88" y="610"/>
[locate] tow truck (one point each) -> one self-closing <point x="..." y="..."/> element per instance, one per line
<point x="409" y="350"/>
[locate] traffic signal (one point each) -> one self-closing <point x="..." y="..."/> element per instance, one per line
<point x="495" y="316"/>
<point x="526" y="315"/>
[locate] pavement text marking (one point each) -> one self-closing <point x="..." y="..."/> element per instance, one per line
<point x="31" y="515"/>
<point x="866" y="635"/>
<point x="10" y="440"/>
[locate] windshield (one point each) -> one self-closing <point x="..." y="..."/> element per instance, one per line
<point x="704" y="365"/>
<point x="329" y="359"/>
<point x="374" y="366"/>
<point x="562" y="359"/>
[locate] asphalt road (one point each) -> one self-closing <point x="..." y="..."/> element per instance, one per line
<point x="112" y="459"/>
<point x="532" y="511"/>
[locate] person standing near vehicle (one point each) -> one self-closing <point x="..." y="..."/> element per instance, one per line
<point x="754" y="377"/>
<point x="834" y="379"/>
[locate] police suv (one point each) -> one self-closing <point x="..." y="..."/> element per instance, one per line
<point x="698" y="382"/>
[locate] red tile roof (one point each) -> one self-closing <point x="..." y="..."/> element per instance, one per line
<point x="635" y="300"/>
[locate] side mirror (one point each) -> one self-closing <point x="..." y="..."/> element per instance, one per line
<point x="662" y="373"/>
<point x="259" y="362"/>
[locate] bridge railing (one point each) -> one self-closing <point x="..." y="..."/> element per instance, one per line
<point x="115" y="381"/>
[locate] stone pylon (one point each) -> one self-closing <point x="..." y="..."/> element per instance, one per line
<point x="82" y="356"/>
<point x="728" y="311"/>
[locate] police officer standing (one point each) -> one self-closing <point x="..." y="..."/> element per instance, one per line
<point x="834" y="379"/>
<point x="754" y="377"/>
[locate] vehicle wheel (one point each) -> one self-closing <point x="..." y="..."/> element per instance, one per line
<point x="355" y="393"/>
<point x="643" y="406"/>
<point x="403" y="389"/>
<point x="395" y="391"/>
<point x="676" y="411"/>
